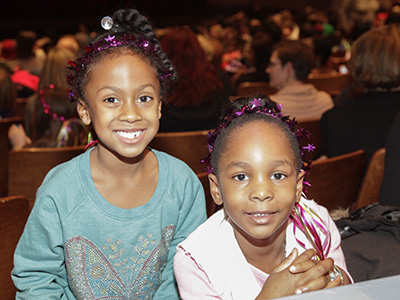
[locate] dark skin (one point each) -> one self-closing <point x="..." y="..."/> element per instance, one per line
<point x="259" y="184"/>
<point x="299" y="274"/>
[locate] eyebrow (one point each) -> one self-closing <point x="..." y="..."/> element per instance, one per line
<point x="140" y="88"/>
<point x="275" y="163"/>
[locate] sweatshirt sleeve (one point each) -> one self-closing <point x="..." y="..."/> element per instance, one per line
<point x="39" y="271"/>
<point x="192" y="213"/>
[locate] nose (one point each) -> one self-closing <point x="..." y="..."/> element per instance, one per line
<point x="129" y="112"/>
<point x="261" y="190"/>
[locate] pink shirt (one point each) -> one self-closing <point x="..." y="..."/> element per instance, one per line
<point x="210" y="265"/>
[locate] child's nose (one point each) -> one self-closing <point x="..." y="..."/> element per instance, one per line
<point x="261" y="190"/>
<point x="129" y="112"/>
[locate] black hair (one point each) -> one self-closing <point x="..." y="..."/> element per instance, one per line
<point x="134" y="28"/>
<point x="275" y="118"/>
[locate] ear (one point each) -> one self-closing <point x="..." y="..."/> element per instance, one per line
<point x="159" y="109"/>
<point x="214" y="189"/>
<point x="299" y="185"/>
<point x="83" y="112"/>
<point x="288" y="65"/>
<point x="289" y="68"/>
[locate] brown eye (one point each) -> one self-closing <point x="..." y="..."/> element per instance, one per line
<point x="278" y="176"/>
<point x="111" y="100"/>
<point x="240" y="177"/>
<point x="144" y="99"/>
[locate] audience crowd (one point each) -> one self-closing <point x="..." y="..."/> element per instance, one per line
<point x="217" y="55"/>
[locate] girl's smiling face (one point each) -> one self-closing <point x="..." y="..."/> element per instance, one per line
<point x="123" y="104"/>
<point x="257" y="181"/>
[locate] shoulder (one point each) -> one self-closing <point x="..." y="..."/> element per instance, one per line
<point x="65" y="170"/>
<point x="205" y="237"/>
<point x="178" y="181"/>
<point x="321" y="210"/>
<point x="171" y="162"/>
<point x="63" y="181"/>
<point x="322" y="95"/>
<point x="174" y="171"/>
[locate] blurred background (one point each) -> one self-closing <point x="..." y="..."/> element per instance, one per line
<point x="54" y="17"/>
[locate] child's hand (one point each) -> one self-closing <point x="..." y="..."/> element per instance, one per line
<point x="18" y="137"/>
<point x="316" y="273"/>
<point x="298" y="274"/>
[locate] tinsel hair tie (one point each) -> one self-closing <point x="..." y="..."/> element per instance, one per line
<point x="113" y="39"/>
<point x="257" y="106"/>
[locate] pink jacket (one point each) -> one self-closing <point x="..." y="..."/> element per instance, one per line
<point x="210" y="265"/>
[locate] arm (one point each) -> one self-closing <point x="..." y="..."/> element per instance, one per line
<point x="193" y="282"/>
<point x="192" y="213"/>
<point x="18" y="137"/>
<point x="39" y="271"/>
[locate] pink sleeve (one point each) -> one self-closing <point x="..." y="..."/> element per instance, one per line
<point x="193" y="282"/>
<point x="336" y="250"/>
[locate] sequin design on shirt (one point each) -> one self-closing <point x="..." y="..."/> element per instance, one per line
<point x="108" y="273"/>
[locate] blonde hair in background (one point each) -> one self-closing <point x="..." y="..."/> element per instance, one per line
<point x="374" y="62"/>
<point x="55" y="68"/>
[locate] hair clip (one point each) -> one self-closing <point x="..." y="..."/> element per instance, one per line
<point x="107" y="23"/>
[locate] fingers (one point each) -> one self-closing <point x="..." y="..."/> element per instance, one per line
<point x="338" y="281"/>
<point x="317" y="276"/>
<point x="303" y="262"/>
<point x="287" y="261"/>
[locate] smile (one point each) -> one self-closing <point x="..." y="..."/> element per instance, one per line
<point x="130" y="134"/>
<point x="261" y="215"/>
<point x="261" y="218"/>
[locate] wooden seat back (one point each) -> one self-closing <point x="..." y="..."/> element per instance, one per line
<point x="14" y="212"/>
<point x="5" y="147"/>
<point x="332" y="84"/>
<point x="335" y="181"/>
<point x="20" y="104"/>
<point x="191" y="146"/>
<point x="255" y="88"/>
<point x="29" y="166"/>
<point x="371" y="182"/>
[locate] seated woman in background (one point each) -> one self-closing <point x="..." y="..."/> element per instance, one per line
<point x="290" y="64"/>
<point x="50" y="119"/>
<point x="196" y="98"/>
<point x="364" y="122"/>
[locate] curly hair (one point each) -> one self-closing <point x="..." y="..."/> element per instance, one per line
<point x="198" y="77"/>
<point x="131" y="33"/>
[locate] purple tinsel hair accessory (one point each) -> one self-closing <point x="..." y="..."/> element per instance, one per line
<point x="91" y="50"/>
<point x="257" y="106"/>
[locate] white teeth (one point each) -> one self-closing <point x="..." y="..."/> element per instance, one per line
<point x="261" y="215"/>
<point x="130" y="134"/>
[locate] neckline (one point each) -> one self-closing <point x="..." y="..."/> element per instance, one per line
<point x="113" y="211"/>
